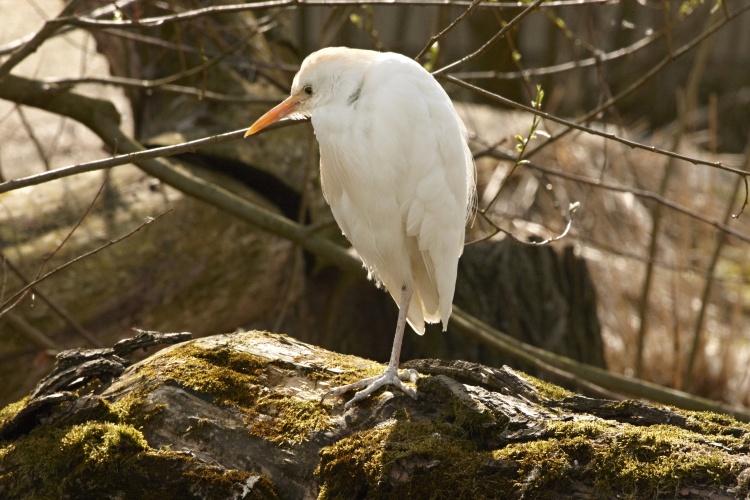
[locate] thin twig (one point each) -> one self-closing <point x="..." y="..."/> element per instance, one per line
<point x="94" y="23"/>
<point x="710" y="277"/>
<point x="632" y="88"/>
<point x="523" y="144"/>
<point x="572" y="125"/>
<point x="597" y="59"/>
<point x="208" y="95"/>
<point x="32" y="136"/>
<point x="618" y="251"/>
<point x="13" y="300"/>
<point x="20" y="297"/>
<point x="165" y="151"/>
<point x="489" y="43"/>
<point x="66" y="317"/>
<point x="497" y="229"/>
<point x="640" y="193"/>
<point x="34" y="335"/>
<point x="73" y="229"/>
<point x="38" y="39"/>
<point x="696" y="342"/>
<point x="559" y="68"/>
<point x="689" y="103"/>
<point x="436" y="38"/>
<point x="745" y="201"/>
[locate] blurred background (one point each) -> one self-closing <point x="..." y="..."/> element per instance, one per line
<point x="651" y="280"/>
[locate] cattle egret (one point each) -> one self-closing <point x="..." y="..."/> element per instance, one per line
<point x="399" y="177"/>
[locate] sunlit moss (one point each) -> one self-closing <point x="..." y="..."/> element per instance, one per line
<point x="547" y="389"/>
<point x="286" y="419"/>
<point x="104" y="459"/>
<point x="229" y="376"/>
<point x="11" y="410"/>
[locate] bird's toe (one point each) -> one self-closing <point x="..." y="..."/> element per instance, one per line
<point x="369" y="385"/>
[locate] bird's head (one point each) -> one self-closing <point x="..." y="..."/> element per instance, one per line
<point x="329" y="76"/>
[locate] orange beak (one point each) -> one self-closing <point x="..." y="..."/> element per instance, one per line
<point x="282" y="110"/>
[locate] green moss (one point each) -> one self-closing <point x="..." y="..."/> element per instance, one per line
<point x="547" y="389"/>
<point x="620" y="460"/>
<point x="287" y="420"/>
<point x="100" y="450"/>
<point x="105" y="460"/>
<point x="539" y="466"/>
<point x="232" y="378"/>
<point x="466" y="451"/>
<point x="11" y="410"/>
<point x="239" y="362"/>
<point x="352" y="466"/>
<point x="49" y="461"/>
<point x="228" y="481"/>
<point x="98" y="443"/>
<point x="401" y="459"/>
<point x="646" y="461"/>
<point x="639" y="462"/>
<point x="132" y="407"/>
<point x="228" y="375"/>
<point x="720" y="428"/>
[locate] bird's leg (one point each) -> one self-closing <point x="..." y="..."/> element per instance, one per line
<point x="391" y="376"/>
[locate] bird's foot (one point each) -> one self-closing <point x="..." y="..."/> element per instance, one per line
<point x="390" y="377"/>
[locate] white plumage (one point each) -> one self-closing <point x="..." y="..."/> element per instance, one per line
<point x="398" y="175"/>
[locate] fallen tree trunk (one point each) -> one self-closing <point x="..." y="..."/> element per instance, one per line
<point x="240" y="416"/>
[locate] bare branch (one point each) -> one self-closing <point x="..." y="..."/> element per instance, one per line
<point x="94" y="22"/>
<point x="523" y="144"/>
<point x="563" y="67"/>
<point x="37" y="40"/>
<point x="435" y="38"/>
<point x="65" y="83"/>
<point x="710" y="277"/>
<point x="647" y="76"/>
<point x="32" y="137"/>
<point x="640" y="193"/>
<point x="34" y="335"/>
<point x="21" y="295"/>
<point x="689" y="102"/>
<point x="489" y="43"/>
<point x="575" y="126"/>
<point x="28" y="288"/>
<point x="744" y="203"/>
<point x="135" y="157"/>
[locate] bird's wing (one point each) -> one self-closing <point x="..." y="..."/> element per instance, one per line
<point x="433" y="180"/>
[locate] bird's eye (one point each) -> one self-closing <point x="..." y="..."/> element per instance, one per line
<point x="308" y="89"/>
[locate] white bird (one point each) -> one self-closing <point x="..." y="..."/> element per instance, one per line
<point x="399" y="177"/>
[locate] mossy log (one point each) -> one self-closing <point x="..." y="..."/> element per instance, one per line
<point x="240" y="416"/>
